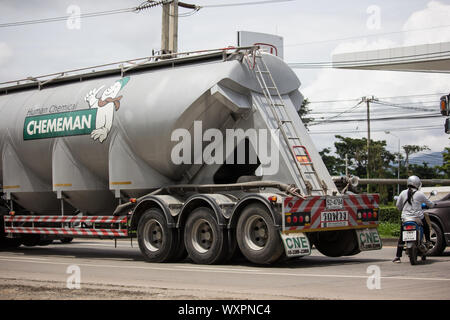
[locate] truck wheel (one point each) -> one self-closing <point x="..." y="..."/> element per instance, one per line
<point x="257" y="236"/>
<point x="46" y="242"/>
<point x="31" y="240"/>
<point x="156" y="240"/>
<point x="437" y="238"/>
<point x="10" y="243"/>
<point x="66" y="240"/>
<point x="336" y="243"/>
<point x="233" y="250"/>
<point x="7" y="243"/>
<point x="180" y="250"/>
<point x="205" y="241"/>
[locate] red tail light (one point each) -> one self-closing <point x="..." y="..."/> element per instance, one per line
<point x="410" y="227"/>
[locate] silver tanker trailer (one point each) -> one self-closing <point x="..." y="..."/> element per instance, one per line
<point x="199" y="153"/>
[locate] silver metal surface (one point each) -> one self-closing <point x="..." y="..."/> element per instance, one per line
<point x="133" y="156"/>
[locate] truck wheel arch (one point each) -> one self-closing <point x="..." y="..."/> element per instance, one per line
<point x="197" y="201"/>
<point x="246" y="201"/>
<point x="148" y="203"/>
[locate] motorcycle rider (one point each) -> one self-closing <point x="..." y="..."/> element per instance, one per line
<point x="409" y="203"/>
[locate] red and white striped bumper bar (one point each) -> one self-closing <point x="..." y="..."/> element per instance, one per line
<point x="69" y="231"/>
<point x="67" y="219"/>
<point x="66" y="231"/>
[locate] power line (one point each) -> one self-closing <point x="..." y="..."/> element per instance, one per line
<point x="144" y="6"/>
<point x="376" y="130"/>
<point x="403" y="106"/>
<point x="402" y="117"/>
<point x="65" y="18"/>
<point x="243" y="3"/>
<point x="384" y="107"/>
<point x="391" y="97"/>
<point x="346" y="111"/>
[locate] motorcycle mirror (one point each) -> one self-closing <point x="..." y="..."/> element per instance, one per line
<point x="434" y="192"/>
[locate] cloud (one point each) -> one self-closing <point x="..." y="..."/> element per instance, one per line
<point x="435" y="14"/>
<point x="6" y="53"/>
<point x="335" y="84"/>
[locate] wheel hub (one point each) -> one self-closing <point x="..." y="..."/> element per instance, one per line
<point x="256" y="232"/>
<point x="202" y="236"/>
<point x="153" y="235"/>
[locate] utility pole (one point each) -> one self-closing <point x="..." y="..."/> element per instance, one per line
<point x="398" y="159"/>
<point x="346" y="165"/>
<point x="169" y="27"/>
<point x="368" y="100"/>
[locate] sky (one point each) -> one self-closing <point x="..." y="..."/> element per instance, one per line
<point x="312" y="32"/>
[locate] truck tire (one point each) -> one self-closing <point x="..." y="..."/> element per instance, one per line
<point x="335" y="243"/>
<point x="180" y="251"/>
<point x="45" y="242"/>
<point x="31" y="240"/>
<point x="205" y="240"/>
<point x="437" y="238"/>
<point x="66" y="240"/>
<point x="3" y="239"/>
<point x="258" y="238"/>
<point x="7" y="243"/>
<point x="157" y="241"/>
<point x="234" y="253"/>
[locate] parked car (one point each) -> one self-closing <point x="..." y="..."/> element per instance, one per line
<point x="440" y="225"/>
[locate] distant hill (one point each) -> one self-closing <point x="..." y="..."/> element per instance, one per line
<point x="433" y="159"/>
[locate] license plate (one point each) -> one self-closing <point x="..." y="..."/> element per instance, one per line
<point x="333" y="203"/>
<point x="296" y="244"/>
<point x="334" y="219"/>
<point x="409" y="235"/>
<point x="369" y="239"/>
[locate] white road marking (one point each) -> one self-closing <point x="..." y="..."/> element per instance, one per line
<point x="22" y="257"/>
<point x="226" y="270"/>
<point x="218" y="268"/>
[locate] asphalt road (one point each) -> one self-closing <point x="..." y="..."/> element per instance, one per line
<point x="106" y="272"/>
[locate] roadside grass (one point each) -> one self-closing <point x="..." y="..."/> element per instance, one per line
<point x="389" y="229"/>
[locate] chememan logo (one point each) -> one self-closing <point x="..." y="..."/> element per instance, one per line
<point x="96" y="121"/>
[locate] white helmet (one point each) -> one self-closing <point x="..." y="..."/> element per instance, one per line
<point x="414" y="181"/>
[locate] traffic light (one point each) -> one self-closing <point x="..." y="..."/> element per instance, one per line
<point x="445" y="109"/>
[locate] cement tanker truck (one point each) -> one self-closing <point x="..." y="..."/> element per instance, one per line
<point x="200" y="154"/>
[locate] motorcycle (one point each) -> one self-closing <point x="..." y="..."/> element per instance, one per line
<point x="414" y="238"/>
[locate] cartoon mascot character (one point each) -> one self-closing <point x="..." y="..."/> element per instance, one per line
<point x="106" y="105"/>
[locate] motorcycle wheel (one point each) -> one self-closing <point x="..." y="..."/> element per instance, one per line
<point x="412" y="253"/>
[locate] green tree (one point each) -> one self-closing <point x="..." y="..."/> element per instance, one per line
<point x="424" y="171"/>
<point x="445" y="168"/>
<point x="304" y="111"/>
<point x="335" y="165"/>
<point x="409" y="150"/>
<point x="356" y="151"/>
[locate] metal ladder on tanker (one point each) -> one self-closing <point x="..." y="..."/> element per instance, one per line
<point x="298" y="151"/>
